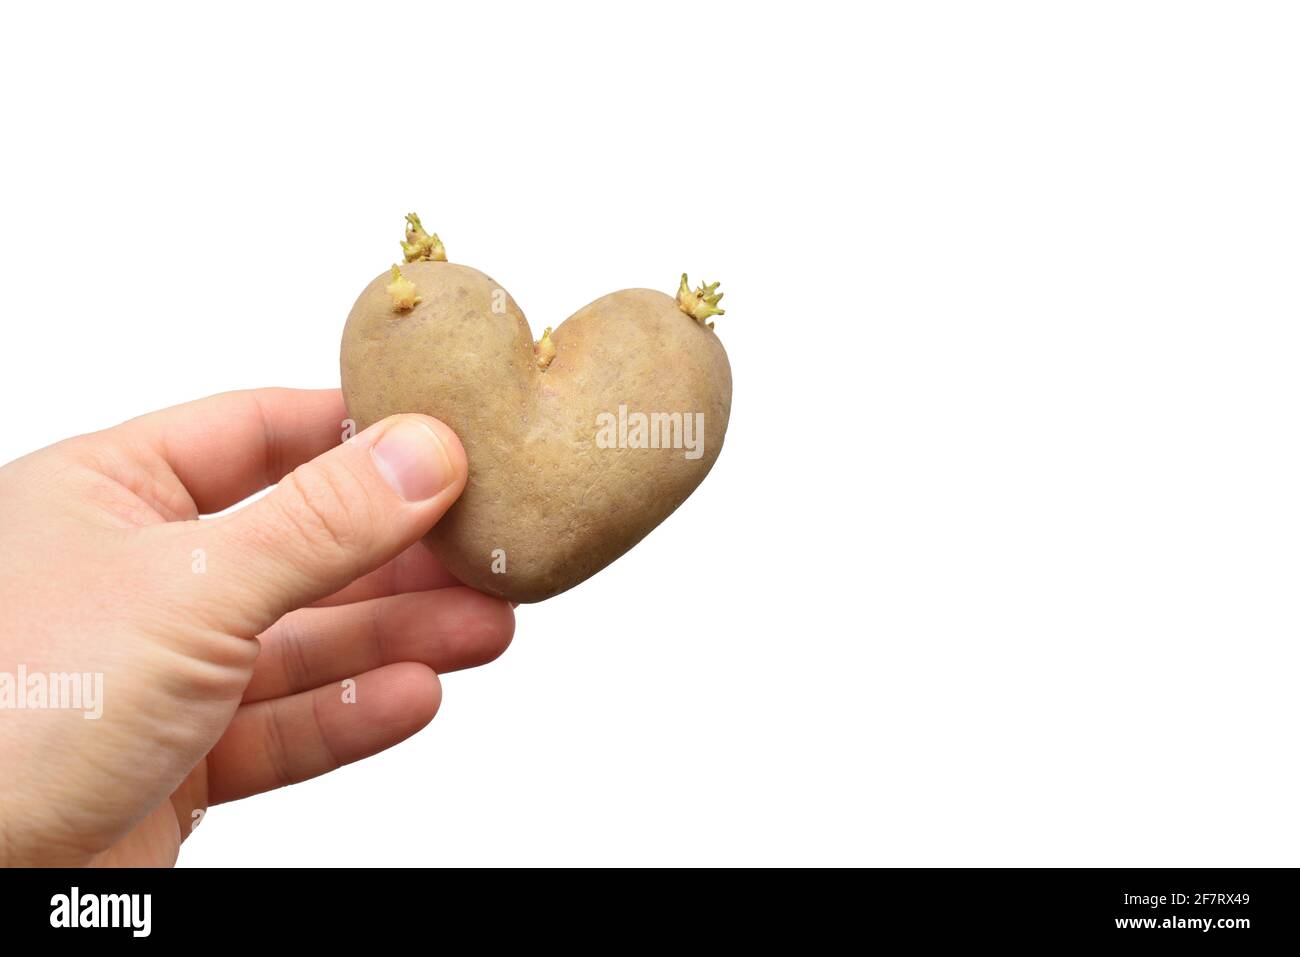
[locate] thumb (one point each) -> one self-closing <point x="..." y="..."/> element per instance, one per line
<point x="335" y="518"/>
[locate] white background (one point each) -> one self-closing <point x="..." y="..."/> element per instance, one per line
<point x="999" y="564"/>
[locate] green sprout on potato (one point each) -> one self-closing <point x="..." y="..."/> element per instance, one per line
<point x="420" y="245"/>
<point x="544" y="350"/>
<point x="700" y="303"/>
<point x="403" y="292"/>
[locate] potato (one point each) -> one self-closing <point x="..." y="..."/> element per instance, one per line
<point x="578" y="444"/>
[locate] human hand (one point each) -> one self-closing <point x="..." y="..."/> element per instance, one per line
<point x="235" y="654"/>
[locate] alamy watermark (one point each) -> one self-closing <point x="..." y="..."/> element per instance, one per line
<point x="75" y="909"/>
<point x="651" y="430"/>
<point x="53" y="691"/>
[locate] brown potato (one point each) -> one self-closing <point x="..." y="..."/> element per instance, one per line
<point x="578" y="445"/>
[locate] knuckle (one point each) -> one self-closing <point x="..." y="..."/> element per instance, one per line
<point x="318" y="505"/>
<point x="275" y="746"/>
<point x="290" y="641"/>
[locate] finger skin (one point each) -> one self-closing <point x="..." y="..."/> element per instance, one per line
<point x="416" y="569"/>
<point x="228" y="446"/>
<point x="447" y="630"/>
<point x="270" y="744"/>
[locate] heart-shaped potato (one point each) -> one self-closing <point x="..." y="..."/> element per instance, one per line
<point x="578" y="445"/>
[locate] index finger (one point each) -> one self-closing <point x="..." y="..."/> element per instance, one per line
<point x="228" y="446"/>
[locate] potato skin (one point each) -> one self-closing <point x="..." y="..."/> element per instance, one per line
<point x="540" y="487"/>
